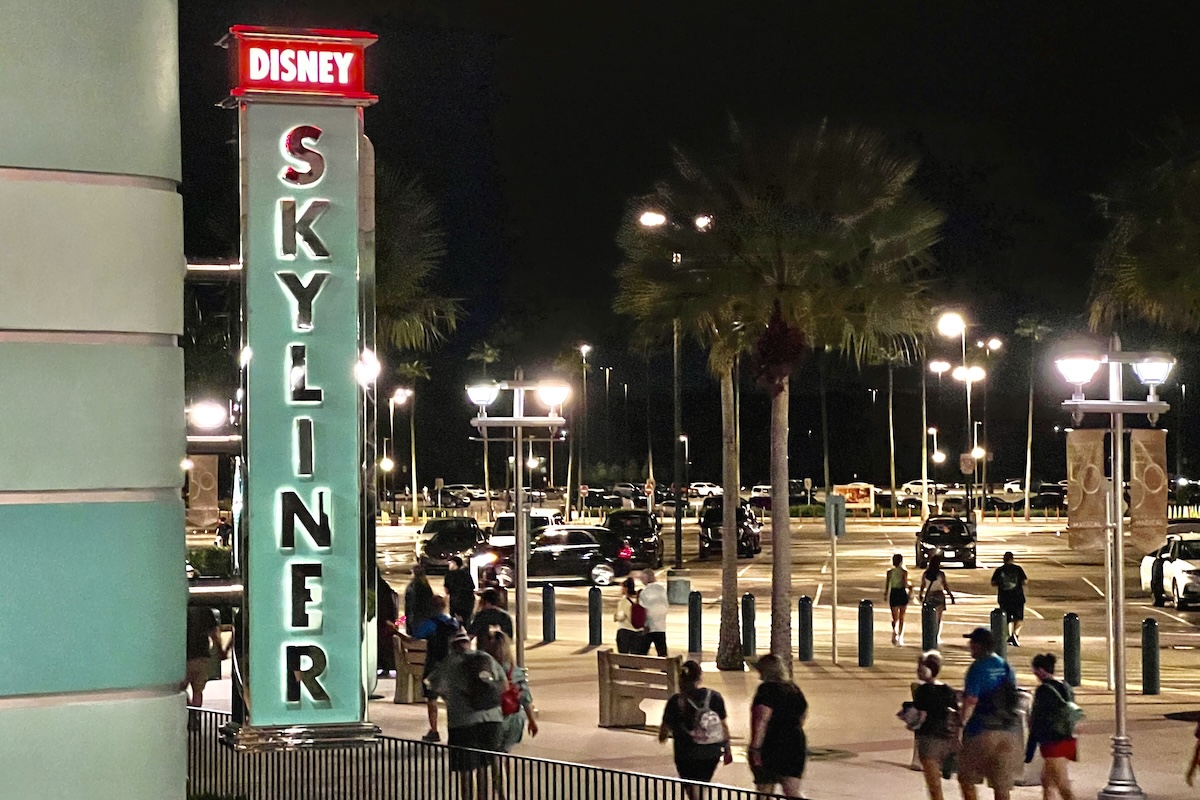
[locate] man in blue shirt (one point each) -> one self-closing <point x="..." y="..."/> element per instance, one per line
<point x="991" y="746"/>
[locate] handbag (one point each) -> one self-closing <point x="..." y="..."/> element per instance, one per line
<point x="510" y="698"/>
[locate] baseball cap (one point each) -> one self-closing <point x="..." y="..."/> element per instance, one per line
<point x="981" y="636"/>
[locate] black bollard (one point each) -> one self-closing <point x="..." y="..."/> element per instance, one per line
<point x="866" y="633"/>
<point x="595" y="612"/>
<point x="695" y="632"/>
<point x="1000" y="632"/>
<point x="805" y="629"/>
<point x="1072" y="669"/>
<point x="1150" y="676"/>
<point x="749" y="644"/>
<point x="549" y="626"/>
<point x="929" y="627"/>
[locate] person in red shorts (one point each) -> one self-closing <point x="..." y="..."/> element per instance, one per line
<point x="1051" y="728"/>
<point x="1192" y="767"/>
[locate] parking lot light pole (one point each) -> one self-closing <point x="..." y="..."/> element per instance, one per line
<point x="1078" y="368"/>
<point x="552" y="395"/>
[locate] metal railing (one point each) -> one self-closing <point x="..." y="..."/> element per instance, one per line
<point x="400" y="769"/>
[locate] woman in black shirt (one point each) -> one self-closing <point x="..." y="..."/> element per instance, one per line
<point x="937" y="738"/>
<point x="778" y="748"/>
<point x="695" y="760"/>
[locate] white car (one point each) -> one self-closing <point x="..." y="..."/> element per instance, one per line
<point x="760" y="490"/>
<point x="469" y="489"/>
<point x="626" y="489"/>
<point x="1173" y="570"/>
<point x="913" y="488"/>
<point x="704" y="489"/>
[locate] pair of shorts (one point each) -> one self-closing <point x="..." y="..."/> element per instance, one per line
<point x="697" y="769"/>
<point x="995" y="755"/>
<point x="936" y="598"/>
<point x="1014" y="611"/>
<point x="898" y="597"/>
<point x="480" y="736"/>
<point x="197" y="673"/>
<point x="936" y="748"/>
<point x="1063" y="748"/>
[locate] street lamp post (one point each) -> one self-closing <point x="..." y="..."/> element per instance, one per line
<point x="552" y="395"/>
<point x="400" y="397"/>
<point x="386" y="465"/>
<point x="1078" y="368"/>
<point x="584" y="349"/>
<point x="988" y="346"/>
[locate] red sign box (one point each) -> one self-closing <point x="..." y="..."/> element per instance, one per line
<point x="313" y="62"/>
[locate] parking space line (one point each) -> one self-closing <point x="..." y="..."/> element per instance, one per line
<point x="1094" y="586"/>
<point x="1034" y="612"/>
<point x="825" y="568"/>
<point x="817" y="599"/>
<point x="744" y="570"/>
<point x="1165" y="614"/>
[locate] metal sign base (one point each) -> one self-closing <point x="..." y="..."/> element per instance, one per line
<point x="298" y="737"/>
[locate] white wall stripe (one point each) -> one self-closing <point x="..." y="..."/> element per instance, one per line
<point x="26" y="498"/>
<point x="88" y="337"/>
<point x="86" y="178"/>
<point x="74" y="698"/>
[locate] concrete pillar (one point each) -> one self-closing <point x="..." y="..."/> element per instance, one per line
<point x="91" y="410"/>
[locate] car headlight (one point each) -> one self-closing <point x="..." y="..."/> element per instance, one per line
<point x="928" y="546"/>
<point x="486" y="558"/>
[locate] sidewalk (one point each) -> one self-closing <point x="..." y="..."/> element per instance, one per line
<point x="858" y="749"/>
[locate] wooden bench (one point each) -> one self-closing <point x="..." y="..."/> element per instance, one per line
<point x="410" y="667"/>
<point x="625" y="681"/>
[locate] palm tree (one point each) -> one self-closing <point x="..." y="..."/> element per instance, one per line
<point x="411" y="372"/>
<point x="485" y="353"/>
<point x="410" y="243"/>
<point x="817" y="233"/>
<point x="1035" y="330"/>
<point x="892" y="357"/>
<point x="662" y="289"/>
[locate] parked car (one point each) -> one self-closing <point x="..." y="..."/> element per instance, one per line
<point x="626" y="489"/>
<point x="952" y="538"/>
<point x="506" y="522"/>
<point x="582" y="552"/>
<point x="954" y="505"/>
<point x="704" y="489"/>
<point x="1173" y="570"/>
<point x="442" y="538"/>
<point x="598" y="499"/>
<point x="760" y="490"/>
<point x="749" y="538"/>
<point x="642" y="529"/>
<point x="446" y="498"/>
<point x="469" y="489"/>
<point x="1048" y="501"/>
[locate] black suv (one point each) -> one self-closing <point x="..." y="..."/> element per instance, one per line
<point x="597" y="555"/>
<point x="641" y="528"/>
<point x="443" y="538"/>
<point x="951" y="538"/>
<point x="749" y="537"/>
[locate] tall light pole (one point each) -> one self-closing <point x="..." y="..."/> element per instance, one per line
<point x="607" y="416"/>
<point x="988" y="346"/>
<point x="400" y="397"/>
<point x="952" y="325"/>
<point x="584" y="349"/>
<point x="552" y="395"/>
<point x="386" y="465"/>
<point x="1078" y="369"/>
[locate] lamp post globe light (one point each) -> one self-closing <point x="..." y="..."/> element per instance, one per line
<point x="207" y="415"/>
<point x="552" y="394"/>
<point x="1078" y="367"/>
<point x="400" y="397"/>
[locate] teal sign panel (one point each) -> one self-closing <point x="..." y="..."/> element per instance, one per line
<point x="303" y="427"/>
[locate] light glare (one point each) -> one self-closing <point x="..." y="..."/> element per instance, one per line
<point x="951" y="324"/>
<point x="652" y="219"/>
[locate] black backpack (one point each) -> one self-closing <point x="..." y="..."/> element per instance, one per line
<point x="439" y="643"/>
<point x="481" y="688"/>
<point x="998" y="709"/>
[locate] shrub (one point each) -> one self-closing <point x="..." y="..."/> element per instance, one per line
<point x="212" y="561"/>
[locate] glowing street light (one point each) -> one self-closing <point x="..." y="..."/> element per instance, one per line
<point x="939" y="368"/>
<point x="652" y="219"/>
<point x="951" y="324"/>
<point x="938" y="457"/>
<point x="703" y="222"/>
<point x="207" y="415"/>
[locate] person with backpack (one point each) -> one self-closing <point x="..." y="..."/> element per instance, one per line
<point x="517" y="700"/>
<point x="991" y="739"/>
<point x="630" y="617"/>
<point x="437" y="632"/>
<point x="778" y="748"/>
<point x="695" y="719"/>
<point x="472" y="684"/>
<point x="1009" y="580"/>
<point x="1052" y="728"/>
<point x="653" y="598"/>
<point x="936" y="725"/>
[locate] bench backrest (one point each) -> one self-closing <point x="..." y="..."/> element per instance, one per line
<point x="642" y="676"/>
<point x="412" y="653"/>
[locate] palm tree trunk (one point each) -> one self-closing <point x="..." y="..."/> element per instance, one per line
<point x="729" y="646"/>
<point x="824" y="424"/>
<point x="1029" y="440"/>
<point x="781" y="536"/>
<point x="892" y="434"/>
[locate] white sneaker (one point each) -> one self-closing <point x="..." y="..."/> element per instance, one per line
<point x="900" y="640"/>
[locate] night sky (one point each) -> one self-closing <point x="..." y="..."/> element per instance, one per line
<point x="533" y="122"/>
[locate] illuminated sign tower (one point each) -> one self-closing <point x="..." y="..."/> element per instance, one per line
<point x="308" y="300"/>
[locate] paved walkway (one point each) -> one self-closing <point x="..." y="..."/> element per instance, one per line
<point x="859" y="749"/>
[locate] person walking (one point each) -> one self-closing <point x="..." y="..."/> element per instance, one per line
<point x="897" y="590"/>
<point x="418" y="600"/>
<point x="472" y="684"/>
<point x="628" y="633"/>
<point x="653" y="598"/>
<point x="778" y="749"/>
<point x="490" y="617"/>
<point x="387" y="611"/>
<point x="202" y="641"/>
<point x="991" y="740"/>
<point x="936" y="736"/>
<point x="1052" y="728"/>
<point x="518" y="708"/>
<point x="695" y="720"/>
<point x="935" y="589"/>
<point x="1009" y="580"/>
<point x="1190" y="776"/>
<point x="461" y="591"/>
<point x="437" y="631"/>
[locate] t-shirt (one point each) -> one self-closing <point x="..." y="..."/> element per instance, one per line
<point x="483" y="622"/>
<point x="437" y="633"/>
<point x="784" y="737"/>
<point x="653" y="598"/>
<point x="680" y="716"/>
<point x="450" y="683"/>
<point x="984" y="677"/>
<point x="461" y="591"/>
<point x="1010" y="580"/>
<point x="936" y="700"/>
<point x="200" y="624"/>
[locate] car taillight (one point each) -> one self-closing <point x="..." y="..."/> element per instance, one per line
<point x="625" y="552"/>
